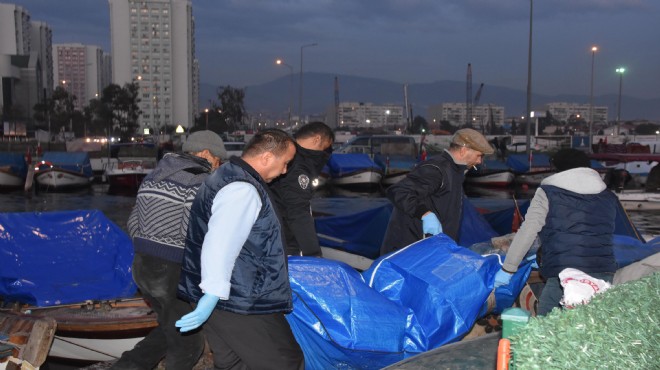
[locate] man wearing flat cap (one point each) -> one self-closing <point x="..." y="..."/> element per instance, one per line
<point x="158" y="226"/>
<point x="430" y="199"/>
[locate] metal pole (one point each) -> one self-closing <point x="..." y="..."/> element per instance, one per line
<point x="300" y="95"/>
<point x="591" y="99"/>
<point x="529" y="83"/>
<point x="618" y="110"/>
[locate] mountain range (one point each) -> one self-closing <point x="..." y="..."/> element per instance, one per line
<point x="273" y="98"/>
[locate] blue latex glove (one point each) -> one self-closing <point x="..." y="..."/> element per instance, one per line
<point x="532" y="258"/>
<point x="502" y="278"/>
<point x="431" y="224"/>
<point x="202" y="312"/>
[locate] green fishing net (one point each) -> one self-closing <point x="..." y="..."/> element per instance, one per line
<point x="618" y="329"/>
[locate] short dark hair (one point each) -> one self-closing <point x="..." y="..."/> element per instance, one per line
<point x="569" y="158"/>
<point x="272" y="140"/>
<point x="315" y="128"/>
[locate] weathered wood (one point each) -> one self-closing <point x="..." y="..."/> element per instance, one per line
<point x="39" y="342"/>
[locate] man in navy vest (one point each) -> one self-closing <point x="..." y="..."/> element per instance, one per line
<point x="573" y="214"/>
<point x="234" y="264"/>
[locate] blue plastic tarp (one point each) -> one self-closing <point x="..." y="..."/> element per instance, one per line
<point x="15" y="161"/>
<point x="520" y="162"/>
<point x="396" y="162"/>
<point x="343" y="164"/>
<point x="410" y="301"/>
<point x="71" y="161"/>
<point x="64" y="257"/>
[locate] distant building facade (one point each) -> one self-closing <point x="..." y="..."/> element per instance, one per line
<point x="153" y="45"/>
<point x="564" y="111"/>
<point x="25" y="63"/>
<point x="455" y="114"/>
<point x="81" y="71"/>
<point x="367" y="115"/>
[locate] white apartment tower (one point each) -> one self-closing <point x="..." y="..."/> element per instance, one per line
<point x="455" y="114"/>
<point x="79" y="70"/>
<point x="41" y="41"/>
<point x="14" y="30"/>
<point x="153" y="46"/>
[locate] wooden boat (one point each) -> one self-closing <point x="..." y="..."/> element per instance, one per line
<point x="639" y="200"/>
<point x="13" y="170"/>
<point x="63" y="170"/>
<point x="637" y="165"/>
<point x="396" y="155"/>
<point x="490" y="173"/>
<point x="25" y="340"/>
<point x="128" y="175"/>
<point x="530" y="172"/>
<point x="354" y="169"/>
<point x="96" y="331"/>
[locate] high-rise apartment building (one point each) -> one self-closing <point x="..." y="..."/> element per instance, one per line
<point x="14" y="30"/>
<point x="79" y="70"/>
<point x="564" y="111"/>
<point x="41" y="41"/>
<point x="455" y="114"/>
<point x="153" y="46"/>
<point x="368" y="115"/>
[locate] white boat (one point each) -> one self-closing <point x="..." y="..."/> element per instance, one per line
<point x="128" y="175"/>
<point x="500" y="178"/>
<point x="13" y="169"/>
<point x="354" y="169"/>
<point x="63" y="170"/>
<point x="637" y="165"/>
<point x="10" y="179"/>
<point x="234" y="148"/>
<point x="639" y="200"/>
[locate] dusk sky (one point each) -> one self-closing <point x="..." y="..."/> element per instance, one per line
<point x="407" y="41"/>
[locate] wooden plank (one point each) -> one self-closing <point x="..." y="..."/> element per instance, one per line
<point x="39" y="342"/>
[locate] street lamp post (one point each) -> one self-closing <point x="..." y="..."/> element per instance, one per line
<point x="529" y="88"/>
<point x="300" y="97"/>
<point x="281" y="62"/>
<point x="206" y="112"/>
<point x="594" y="49"/>
<point x="620" y="71"/>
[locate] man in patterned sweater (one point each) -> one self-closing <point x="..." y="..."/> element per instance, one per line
<point x="158" y="225"/>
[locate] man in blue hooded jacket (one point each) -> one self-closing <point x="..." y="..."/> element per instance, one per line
<point x="573" y="214"/>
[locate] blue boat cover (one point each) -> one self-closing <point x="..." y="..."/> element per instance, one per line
<point x="396" y="162"/>
<point x="344" y="320"/>
<point x="15" y="161"/>
<point x="520" y="162"/>
<point x="493" y="165"/>
<point x="63" y="257"/>
<point x="71" y="161"/>
<point x="344" y="164"/>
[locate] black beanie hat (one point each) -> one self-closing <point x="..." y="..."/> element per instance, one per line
<point x="566" y="159"/>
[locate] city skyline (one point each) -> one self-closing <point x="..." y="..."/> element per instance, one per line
<point x="237" y="42"/>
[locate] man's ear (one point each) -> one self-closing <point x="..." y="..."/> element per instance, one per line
<point x="266" y="158"/>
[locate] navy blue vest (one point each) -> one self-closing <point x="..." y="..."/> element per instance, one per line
<point x="578" y="232"/>
<point x="260" y="279"/>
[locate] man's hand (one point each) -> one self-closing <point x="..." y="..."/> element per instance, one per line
<point x="202" y="312"/>
<point x="502" y="278"/>
<point x="431" y="224"/>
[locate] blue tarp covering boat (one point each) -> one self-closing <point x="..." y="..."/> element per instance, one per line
<point x="15" y="162"/>
<point x="77" y="162"/>
<point x="64" y="257"/>
<point x="345" y="164"/>
<point x="520" y="163"/>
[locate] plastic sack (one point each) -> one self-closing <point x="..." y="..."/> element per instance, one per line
<point x="579" y="287"/>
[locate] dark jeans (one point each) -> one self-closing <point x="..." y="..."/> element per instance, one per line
<point x="553" y="292"/>
<point x="255" y="342"/>
<point x="157" y="279"/>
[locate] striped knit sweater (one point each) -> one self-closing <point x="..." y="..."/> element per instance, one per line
<point x="159" y="220"/>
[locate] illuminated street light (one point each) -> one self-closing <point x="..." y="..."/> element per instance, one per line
<point x="620" y="71"/>
<point x="281" y="62"/>
<point x="206" y="112"/>
<point x="594" y="49"/>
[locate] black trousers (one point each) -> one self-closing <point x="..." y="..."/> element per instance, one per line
<point x="252" y="342"/>
<point x="157" y="279"/>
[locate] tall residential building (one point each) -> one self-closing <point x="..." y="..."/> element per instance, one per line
<point x="79" y="69"/>
<point x="25" y="64"/>
<point x="368" y="115"/>
<point x="454" y="113"/>
<point x="563" y="111"/>
<point x="153" y="46"/>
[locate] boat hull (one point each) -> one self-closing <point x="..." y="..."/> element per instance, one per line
<point x="501" y="179"/>
<point x="532" y="178"/>
<point x="639" y="201"/>
<point x="61" y="179"/>
<point x="361" y="178"/>
<point x="10" y="180"/>
<point x="393" y="178"/>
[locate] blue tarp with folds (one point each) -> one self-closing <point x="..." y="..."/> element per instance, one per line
<point x="70" y="161"/>
<point x="15" y="161"/>
<point x="344" y="164"/>
<point x="64" y="257"/>
<point x="410" y="301"/>
<point x="520" y="162"/>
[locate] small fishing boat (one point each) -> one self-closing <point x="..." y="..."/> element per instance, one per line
<point x="13" y="170"/>
<point x="530" y="172"/>
<point x="128" y="174"/>
<point x="639" y="200"/>
<point x="490" y="173"/>
<point x="25" y="340"/>
<point x="637" y="165"/>
<point x="63" y="170"/>
<point x="354" y="169"/>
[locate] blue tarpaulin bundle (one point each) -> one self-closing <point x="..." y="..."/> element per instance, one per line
<point x="64" y="257"/>
<point x="344" y="164"/>
<point x="413" y="300"/>
<point x="71" y="161"/>
<point x="15" y="161"/>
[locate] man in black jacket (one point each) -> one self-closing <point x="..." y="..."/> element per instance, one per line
<point x="430" y="199"/>
<point x="293" y="191"/>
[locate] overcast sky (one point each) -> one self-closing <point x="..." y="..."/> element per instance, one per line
<point x="409" y="41"/>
